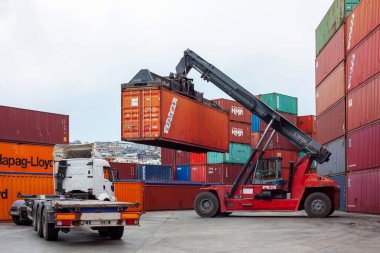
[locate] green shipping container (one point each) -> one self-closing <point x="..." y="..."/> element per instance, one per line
<point x="280" y="103"/>
<point x="313" y="165"/>
<point x="239" y="153"/>
<point x="331" y="22"/>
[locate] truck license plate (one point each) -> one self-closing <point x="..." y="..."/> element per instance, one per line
<point x="99" y="222"/>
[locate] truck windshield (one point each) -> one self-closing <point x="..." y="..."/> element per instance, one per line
<point x="108" y="173"/>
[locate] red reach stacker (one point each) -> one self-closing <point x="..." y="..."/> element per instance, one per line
<point x="260" y="186"/>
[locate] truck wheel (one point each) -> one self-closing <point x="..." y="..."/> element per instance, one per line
<point x="116" y="232"/>
<point x="103" y="232"/>
<point x="206" y="204"/>
<point x="16" y="220"/>
<point x="49" y="231"/>
<point x="317" y="205"/>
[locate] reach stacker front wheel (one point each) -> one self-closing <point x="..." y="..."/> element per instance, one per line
<point x="318" y="205"/>
<point x="206" y="204"/>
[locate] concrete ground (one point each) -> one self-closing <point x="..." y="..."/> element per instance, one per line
<point x="184" y="231"/>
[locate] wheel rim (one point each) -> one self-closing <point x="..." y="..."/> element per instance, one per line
<point x="206" y="204"/>
<point x="318" y="205"/>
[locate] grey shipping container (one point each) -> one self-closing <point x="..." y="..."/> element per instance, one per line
<point x="154" y="172"/>
<point x="336" y="165"/>
<point x="341" y="180"/>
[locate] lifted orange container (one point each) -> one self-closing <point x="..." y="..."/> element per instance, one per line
<point x="159" y="117"/>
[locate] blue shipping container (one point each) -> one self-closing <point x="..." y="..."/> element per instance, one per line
<point x="182" y="173"/>
<point x="255" y="123"/>
<point x="341" y="180"/>
<point x="154" y="172"/>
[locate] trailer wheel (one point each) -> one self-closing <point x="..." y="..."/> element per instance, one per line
<point x="318" y="205"/>
<point x="116" y="233"/>
<point x="206" y="204"/>
<point x="16" y="220"/>
<point x="49" y="231"/>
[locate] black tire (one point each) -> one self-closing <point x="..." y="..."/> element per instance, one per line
<point x="206" y="204"/>
<point x="331" y="211"/>
<point x="39" y="223"/>
<point x="16" y="220"/>
<point x="49" y="231"/>
<point x="116" y="233"/>
<point x="103" y="232"/>
<point x="317" y="205"/>
<point x="35" y="221"/>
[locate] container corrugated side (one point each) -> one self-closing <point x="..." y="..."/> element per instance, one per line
<point x="240" y="132"/>
<point x="124" y="170"/>
<point x="154" y="172"/>
<point x="330" y="57"/>
<point x="182" y="157"/>
<point x="363" y="62"/>
<point x="363" y="104"/>
<point x="337" y="162"/>
<point x="255" y="123"/>
<point x="361" y="22"/>
<point x="238" y="153"/>
<point x="286" y="155"/>
<point x="28" y="126"/>
<point x="167" y="156"/>
<point x="198" y="173"/>
<point x="26" y="158"/>
<point x="363" y="191"/>
<point x="12" y="184"/>
<point x="341" y="180"/>
<point x="363" y="148"/>
<point x="280" y="102"/>
<point x="130" y="192"/>
<point x="308" y="124"/>
<point x="198" y="158"/>
<point x="183" y="173"/>
<point x="236" y="111"/>
<point x="292" y="118"/>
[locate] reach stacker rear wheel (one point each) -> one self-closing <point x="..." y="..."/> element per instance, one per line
<point x="206" y="204"/>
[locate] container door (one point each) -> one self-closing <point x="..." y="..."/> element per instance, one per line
<point x="131" y="114"/>
<point x="151" y="113"/>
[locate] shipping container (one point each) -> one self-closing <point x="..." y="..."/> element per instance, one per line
<point x="255" y="123"/>
<point x="286" y="155"/>
<point x="167" y="156"/>
<point x="231" y="172"/>
<point x="363" y="62"/>
<point x="278" y="142"/>
<point x="183" y="173"/>
<point x="160" y="197"/>
<point x="361" y="22"/>
<point x="182" y="157"/>
<point x="363" y="104"/>
<point x="308" y="124"/>
<point x="290" y="117"/>
<point x="28" y="126"/>
<point x="255" y="137"/>
<point x="238" y="153"/>
<point x="337" y="162"/>
<point x="131" y="191"/>
<point x="331" y="123"/>
<point x="330" y="57"/>
<point x="363" y="192"/>
<point x="363" y="148"/>
<point x="26" y="158"/>
<point x="330" y="90"/>
<point x="159" y="117"/>
<point x="280" y="102"/>
<point x="198" y="173"/>
<point x="12" y="184"/>
<point x="198" y="158"/>
<point x="214" y="173"/>
<point x="331" y="22"/>
<point x="240" y="132"/>
<point x="314" y="163"/>
<point x="124" y="170"/>
<point x="341" y="180"/>
<point x="154" y="172"/>
<point x="236" y="111"/>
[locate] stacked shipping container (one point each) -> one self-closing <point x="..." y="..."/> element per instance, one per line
<point x="26" y="152"/>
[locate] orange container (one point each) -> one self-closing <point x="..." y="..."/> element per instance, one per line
<point x="331" y="89"/>
<point x="26" y="158"/>
<point x="159" y="117"/>
<point x="12" y="184"/>
<point x="130" y="192"/>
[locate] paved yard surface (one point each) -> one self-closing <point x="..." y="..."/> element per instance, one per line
<point x="184" y="231"/>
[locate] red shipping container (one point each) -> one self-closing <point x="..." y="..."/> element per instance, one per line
<point x="231" y="172"/>
<point x="235" y="110"/>
<point x="363" y="62"/>
<point x="28" y="126"/>
<point x="290" y="117"/>
<point x="331" y="123"/>
<point x="157" y="116"/>
<point x="286" y="155"/>
<point x="214" y="173"/>
<point x="363" y="148"/>
<point x="330" y="90"/>
<point x="330" y="57"/>
<point x="278" y="142"/>
<point x="363" y="191"/>
<point x="361" y="22"/>
<point x="308" y="124"/>
<point x="198" y="173"/>
<point x="255" y="137"/>
<point x="363" y="104"/>
<point x="167" y="156"/>
<point x="125" y="170"/>
<point x="240" y="132"/>
<point x="198" y="158"/>
<point x="182" y="157"/>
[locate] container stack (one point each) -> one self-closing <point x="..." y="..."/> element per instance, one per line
<point x="308" y="124"/>
<point x="27" y="139"/>
<point x="279" y="146"/>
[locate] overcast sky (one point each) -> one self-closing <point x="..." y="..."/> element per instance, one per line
<point x="70" y="57"/>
